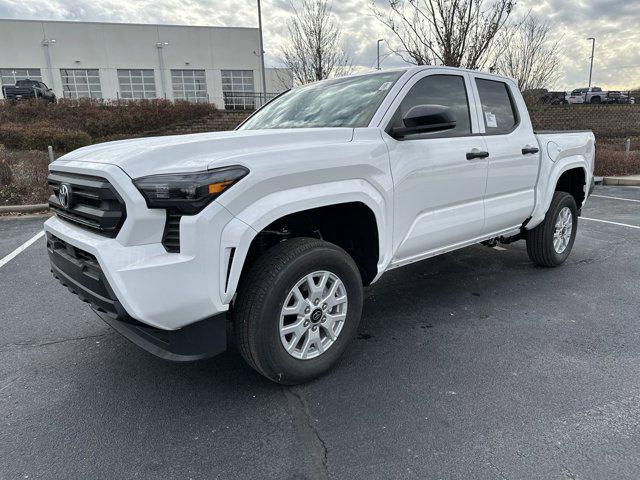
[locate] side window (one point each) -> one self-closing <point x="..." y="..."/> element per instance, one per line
<point x="446" y="90"/>
<point x="498" y="109"/>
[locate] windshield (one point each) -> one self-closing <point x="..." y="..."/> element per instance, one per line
<point x="343" y="102"/>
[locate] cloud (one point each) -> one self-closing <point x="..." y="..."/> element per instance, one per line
<point x="613" y="22"/>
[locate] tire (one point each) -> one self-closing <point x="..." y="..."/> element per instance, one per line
<point x="258" y="319"/>
<point x="540" y="240"/>
<point x="596" y="100"/>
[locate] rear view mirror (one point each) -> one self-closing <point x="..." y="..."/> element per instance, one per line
<point x="424" y="119"/>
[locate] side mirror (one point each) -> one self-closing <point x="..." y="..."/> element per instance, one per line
<point x="424" y="119"/>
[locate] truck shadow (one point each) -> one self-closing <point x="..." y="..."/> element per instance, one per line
<point x="421" y="296"/>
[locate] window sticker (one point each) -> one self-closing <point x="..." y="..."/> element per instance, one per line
<point x="490" y="120"/>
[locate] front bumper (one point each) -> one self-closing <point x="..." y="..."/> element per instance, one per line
<point x="80" y="272"/>
<point x="164" y="290"/>
<point x="171" y="304"/>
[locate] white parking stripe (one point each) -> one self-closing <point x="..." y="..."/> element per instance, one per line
<point x="612" y="223"/>
<point x="616" y="198"/>
<point x="21" y="248"/>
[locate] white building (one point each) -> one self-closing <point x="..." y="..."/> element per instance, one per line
<point x="133" y="61"/>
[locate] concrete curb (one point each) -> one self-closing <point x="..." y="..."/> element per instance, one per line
<point x="24" y="208"/>
<point x="630" y="181"/>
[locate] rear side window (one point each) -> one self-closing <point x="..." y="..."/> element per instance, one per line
<point x="446" y="90"/>
<point x="498" y="109"/>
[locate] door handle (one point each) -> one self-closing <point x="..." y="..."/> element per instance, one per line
<point x="475" y="153"/>
<point x="527" y="150"/>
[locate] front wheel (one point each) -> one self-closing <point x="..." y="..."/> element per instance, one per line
<point x="550" y="243"/>
<point x="297" y="309"/>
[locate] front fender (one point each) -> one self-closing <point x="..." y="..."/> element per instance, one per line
<point x="240" y="232"/>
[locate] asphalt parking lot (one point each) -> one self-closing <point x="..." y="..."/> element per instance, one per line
<point x="475" y="364"/>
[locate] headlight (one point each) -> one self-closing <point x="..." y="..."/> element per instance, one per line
<point x="188" y="192"/>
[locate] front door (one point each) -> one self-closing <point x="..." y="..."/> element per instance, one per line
<point x="438" y="191"/>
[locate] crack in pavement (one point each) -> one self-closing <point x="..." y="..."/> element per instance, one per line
<point x="54" y="342"/>
<point x="312" y="442"/>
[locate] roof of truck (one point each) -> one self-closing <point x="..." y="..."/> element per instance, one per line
<point x="419" y="68"/>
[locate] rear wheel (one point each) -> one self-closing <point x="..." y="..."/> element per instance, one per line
<point x="550" y="243"/>
<point x="297" y="309"/>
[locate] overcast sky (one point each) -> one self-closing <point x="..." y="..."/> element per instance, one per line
<point x="615" y="24"/>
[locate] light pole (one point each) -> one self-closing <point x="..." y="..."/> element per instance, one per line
<point x="160" y="46"/>
<point x="378" y="47"/>
<point x="593" y="48"/>
<point x="262" y="71"/>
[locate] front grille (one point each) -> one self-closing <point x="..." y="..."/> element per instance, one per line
<point x="93" y="202"/>
<point x="171" y="234"/>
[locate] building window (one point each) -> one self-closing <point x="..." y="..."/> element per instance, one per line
<point x="80" y="83"/>
<point x="137" y="84"/>
<point x="9" y="76"/>
<point x="237" y="90"/>
<point x="189" y="85"/>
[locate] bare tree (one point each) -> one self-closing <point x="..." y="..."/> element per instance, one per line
<point x="457" y="33"/>
<point x="315" y="50"/>
<point x="530" y="56"/>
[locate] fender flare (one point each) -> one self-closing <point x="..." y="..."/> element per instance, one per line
<point x="545" y="190"/>
<point x="239" y="233"/>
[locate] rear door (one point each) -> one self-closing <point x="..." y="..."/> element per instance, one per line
<point x="514" y="157"/>
<point x="438" y="192"/>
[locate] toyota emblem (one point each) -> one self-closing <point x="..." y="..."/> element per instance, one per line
<point x="64" y="195"/>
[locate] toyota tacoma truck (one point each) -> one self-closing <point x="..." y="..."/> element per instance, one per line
<point x="268" y="233"/>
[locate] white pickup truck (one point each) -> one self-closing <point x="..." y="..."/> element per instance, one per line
<point x="271" y="231"/>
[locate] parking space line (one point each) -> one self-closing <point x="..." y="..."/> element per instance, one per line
<point x="21" y="248"/>
<point x="616" y="198"/>
<point x="612" y="223"/>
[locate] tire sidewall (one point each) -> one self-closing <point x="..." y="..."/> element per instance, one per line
<point x="280" y="364"/>
<point x="566" y="201"/>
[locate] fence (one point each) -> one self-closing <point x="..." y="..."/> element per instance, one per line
<point x="611" y="124"/>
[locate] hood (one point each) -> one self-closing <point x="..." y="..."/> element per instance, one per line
<point x="189" y="153"/>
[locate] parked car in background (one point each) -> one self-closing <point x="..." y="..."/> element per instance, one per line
<point x="616" y="96"/>
<point x="275" y="228"/>
<point x="25" y="89"/>
<point x="597" y="95"/>
<point x="587" y="95"/>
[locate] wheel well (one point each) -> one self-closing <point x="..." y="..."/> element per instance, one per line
<point x="573" y="181"/>
<point x="351" y="226"/>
